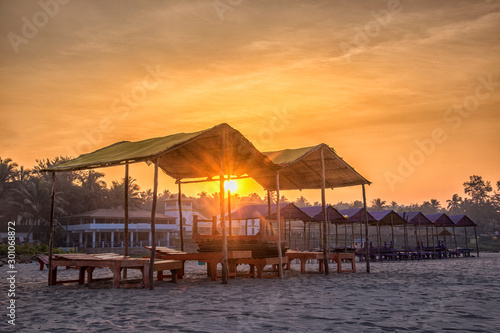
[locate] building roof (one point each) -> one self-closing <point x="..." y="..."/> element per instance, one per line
<point x="120" y="213"/>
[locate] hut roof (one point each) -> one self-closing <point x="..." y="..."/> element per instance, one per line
<point x="356" y="215"/>
<point x="182" y="155"/>
<point x="301" y="169"/>
<point x="287" y="210"/>
<point x="415" y="218"/>
<point x="316" y="214"/>
<point x="462" y="221"/>
<point x="222" y="149"/>
<point x="120" y="213"/>
<point x="387" y="217"/>
<point x="440" y="220"/>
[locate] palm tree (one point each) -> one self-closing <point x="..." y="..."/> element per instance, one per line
<point x="116" y="194"/>
<point x="455" y="204"/>
<point x="436" y="205"/>
<point x="378" y="204"/>
<point x="92" y="188"/>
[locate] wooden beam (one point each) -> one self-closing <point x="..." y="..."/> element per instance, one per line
<point x="323" y="210"/>
<point x="153" y="229"/>
<point x="51" y="227"/>
<point x="208" y="180"/>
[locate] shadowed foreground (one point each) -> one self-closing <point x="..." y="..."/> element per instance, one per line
<point x="455" y="294"/>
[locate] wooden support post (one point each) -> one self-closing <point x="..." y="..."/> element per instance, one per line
<point x="125" y="208"/>
<point x="225" y="275"/>
<point x="230" y="222"/>
<point x="269" y="204"/>
<point x="305" y="239"/>
<point x="278" y="216"/>
<point x="153" y="229"/>
<point x="367" y="244"/>
<point x="477" y="243"/>
<point x="51" y="229"/>
<point x="455" y="239"/>
<point x="223" y="231"/>
<point x="181" y="220"/>
<point x="445" y="243"/>
<point x="392" y="232"/>
<point x="323" y="209"/>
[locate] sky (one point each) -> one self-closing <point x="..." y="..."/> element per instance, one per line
<point x="407" y="92"/>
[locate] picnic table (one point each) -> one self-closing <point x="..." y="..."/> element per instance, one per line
<point x="115" y="262"/>
<point x="338" y="257"/>
<point x="211" y="258"/>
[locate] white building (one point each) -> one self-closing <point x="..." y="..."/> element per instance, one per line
<point x="105" y="228"/>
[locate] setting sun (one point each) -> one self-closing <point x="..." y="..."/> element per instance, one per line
<point x="231" y="185"/>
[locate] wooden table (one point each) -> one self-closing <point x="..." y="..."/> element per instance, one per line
<point x="115" y="262"/>
<point x="211" y="258"/>
<point x="338" y="257"/>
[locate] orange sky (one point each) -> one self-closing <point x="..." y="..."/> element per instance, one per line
<point x="408" y="92"/>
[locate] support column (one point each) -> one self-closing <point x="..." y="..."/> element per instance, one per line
<point x="223" y="231"/>
<point x="51" y="227"/>
<point x="181" y="221"/>
<point x="125" y="225"/>
<point x="367" y="243"/>
<point x="93" y="239"/>
<point x="153" y="229"/>
<point x="112" y="239"/>
<point x="323" y="210"/>
<point x="278" y="215"/>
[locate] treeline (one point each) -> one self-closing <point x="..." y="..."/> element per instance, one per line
<point x="25" y="197"/>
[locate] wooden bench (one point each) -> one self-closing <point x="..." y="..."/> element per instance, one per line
<point x="174" y="266"/>
<point x="43" y="260"/>
<point x="260" y="263"/>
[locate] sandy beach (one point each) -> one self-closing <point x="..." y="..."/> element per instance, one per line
<point x="427" y="296"/>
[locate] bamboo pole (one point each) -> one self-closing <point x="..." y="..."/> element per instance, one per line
<point x="323" y="209"/>
<point x="455" y="239"/>
<point x="367" y="245"/>
<point x="51" y="225"/>
<point x="229" y="212"/>
<point x="392" y="232"/>
<point x="223" y="231"/>
<point x="269" y="204"/>
<point x="477" y="244"/>
<point x="466" y="240"/>
<point x="427" y="234"/>
<point x="445" y="245"/>
<point x="181" y="219"/>
<point x="305" y="238"/>
<point x="125" y="208"/>
<point x="278" y="215"/>
<point x="153" y="229"/>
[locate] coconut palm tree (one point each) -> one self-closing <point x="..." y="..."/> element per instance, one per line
<point x="455" y="204"/>
<point x="378" y="204"/>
